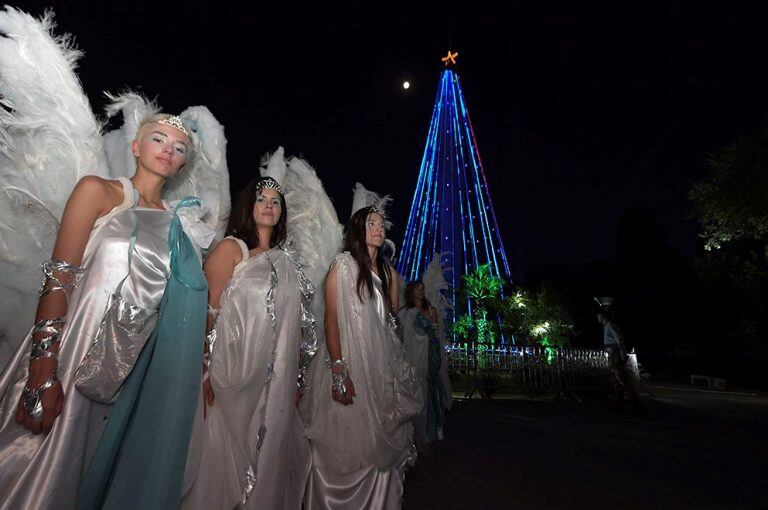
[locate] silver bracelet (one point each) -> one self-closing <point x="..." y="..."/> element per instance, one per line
<point x="52" y="328"/>
<point x="207" y="360"/>
<point x="54" y="269"/>
<point x="33" y="405"/>
<point x="338" y="379"/>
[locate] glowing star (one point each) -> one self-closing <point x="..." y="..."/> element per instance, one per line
<point x="406" y="85"/>
<point x="451" y="57"/>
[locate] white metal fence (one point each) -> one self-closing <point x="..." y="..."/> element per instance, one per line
<point x="537" y="369"/>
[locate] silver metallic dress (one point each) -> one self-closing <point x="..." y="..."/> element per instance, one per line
<point x="44" y="471"/>
<point x="253" y="452"/>
<point x="360" y="451"/>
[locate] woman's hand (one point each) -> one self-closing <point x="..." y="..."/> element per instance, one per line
<point x="297" y="398"/>
<point x="51" y="399"/>
<point x="342" y="397"/>
<point x="207" y="396"/>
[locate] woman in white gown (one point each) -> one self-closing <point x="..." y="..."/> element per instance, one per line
<point x="364" y="397"/>
<point x="103" y="221"/>
<point x="424" y="352"/>
<point x="253" y="452"/>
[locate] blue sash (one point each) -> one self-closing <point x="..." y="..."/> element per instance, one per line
<point x="140" y="459"/>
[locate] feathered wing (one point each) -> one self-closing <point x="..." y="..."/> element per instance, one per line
<point x="434" y="285"/>
<point x="312" y="220"/>
<point x="133" y="107"/>
<point x="275" y="166"/>
<point x="362" y="197"/>
<point x="206" y="175"/>
<point x="49" y="139"/>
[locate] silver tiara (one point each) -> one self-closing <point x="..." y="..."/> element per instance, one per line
<point x="269" y="183"/>
<point x="175" y="122"/>
<point x="378" y="210"/>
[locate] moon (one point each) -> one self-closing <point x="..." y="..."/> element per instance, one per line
<point x="406" y="85"/>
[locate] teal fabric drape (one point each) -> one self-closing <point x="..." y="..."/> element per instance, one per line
<point x="140" y="459"/>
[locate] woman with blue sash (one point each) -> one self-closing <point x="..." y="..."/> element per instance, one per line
<point x="124" y="284"/>
<point x="424" y="351"/>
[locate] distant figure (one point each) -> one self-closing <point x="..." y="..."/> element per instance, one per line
<point x="423" y="349"/>
<point x="613" y="342"/>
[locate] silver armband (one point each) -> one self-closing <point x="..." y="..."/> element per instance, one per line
<point x="60" y="275"/>
<point x="52" y="329"/>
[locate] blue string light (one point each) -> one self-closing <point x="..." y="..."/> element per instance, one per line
<point x="451" y="211"/>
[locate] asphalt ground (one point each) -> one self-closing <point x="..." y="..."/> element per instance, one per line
<point x="691" y="449"/>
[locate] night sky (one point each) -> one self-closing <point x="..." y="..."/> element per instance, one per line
<point x="581" y="110"/>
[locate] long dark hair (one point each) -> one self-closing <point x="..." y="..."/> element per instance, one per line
<point x="410" y="302"/>
<point x="354" y="243"/>
<point x="241" y="222"/>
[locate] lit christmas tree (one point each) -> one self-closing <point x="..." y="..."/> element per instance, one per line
<point x="452" y="213"/>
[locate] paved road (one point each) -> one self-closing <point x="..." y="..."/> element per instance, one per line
<point x="694" y="449"/>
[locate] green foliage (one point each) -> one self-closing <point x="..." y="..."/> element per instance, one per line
<point x="539" y="318"/>
<point x="731" y="202"/>
<point x="731" y="299"/>
<point x="482" y="285"/>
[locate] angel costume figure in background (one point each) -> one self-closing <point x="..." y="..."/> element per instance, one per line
<point x="121" y="248"/>
<point x="262" y="341"/>
<point x="365" y="395"/>
<point x="423" y="349"/>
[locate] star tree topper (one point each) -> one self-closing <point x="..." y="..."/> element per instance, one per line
<point x="450" y="58"/>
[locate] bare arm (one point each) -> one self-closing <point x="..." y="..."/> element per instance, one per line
<point x="92" y="197"/>
<point x="219" y="268"/>
<point x="394" y="290"/>
<point x="332" y="336"/>
<point x="342" y="389"/>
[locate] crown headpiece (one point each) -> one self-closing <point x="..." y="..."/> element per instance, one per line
<point x="175" y="122"/>
<point x="269" y="183"/>
<point x="375" y="203"/>
<point x="378" y="210"/>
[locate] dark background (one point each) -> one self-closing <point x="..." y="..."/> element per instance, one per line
<point x="593" y="119"/>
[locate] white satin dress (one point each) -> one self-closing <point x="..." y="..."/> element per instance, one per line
<point x="360" y="451"/>
<point x="253" y="450"/>
<point x="44" y="471"/>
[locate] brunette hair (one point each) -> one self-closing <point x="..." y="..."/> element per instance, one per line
<point x="354" y="243"/>
<point x="410" y="302"/>
<point x="243" y="226"/>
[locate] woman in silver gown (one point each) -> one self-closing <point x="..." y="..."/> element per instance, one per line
<point x="253" y="452"/>
<point x="363" y="399"/>
<point x="48" y="429"/>
<point x="424" y="352"/>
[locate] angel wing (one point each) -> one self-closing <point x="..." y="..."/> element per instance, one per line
<point x="362" y="197"/>
<point x="117" y="142"/>
<point x="49" y="139"/>
<point x="434" y="285"/>
<point x="205" y="176"/>
<point x="312" y="221"/>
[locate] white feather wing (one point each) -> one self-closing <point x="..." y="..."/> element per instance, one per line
<point x="133" y="107"/>
<point x="312" y="220"/>
<point x="49" y="139"/>
<point x="206" y="175"/>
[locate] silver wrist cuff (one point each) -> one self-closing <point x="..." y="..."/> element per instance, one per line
<point x="33" y="406"/>
<point x="338" y="378"/>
